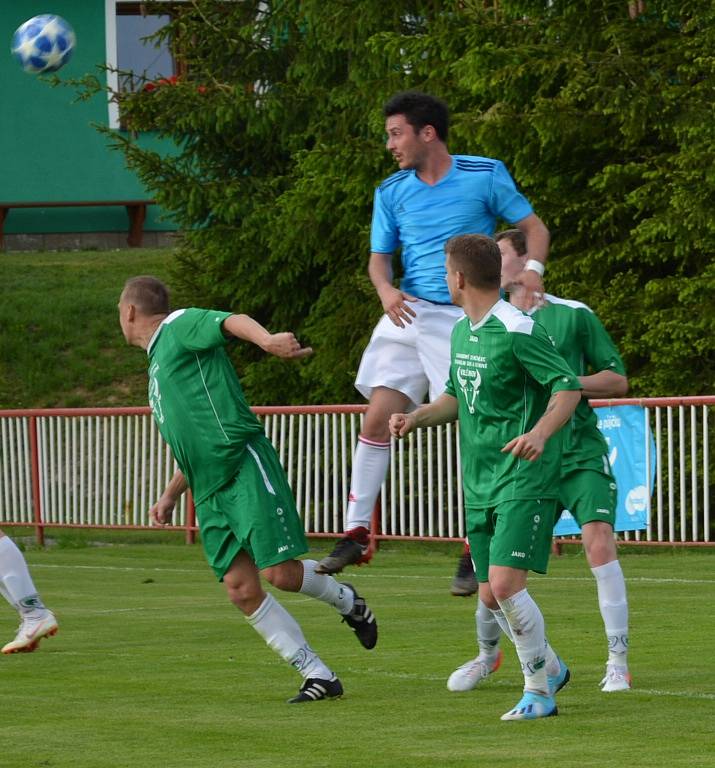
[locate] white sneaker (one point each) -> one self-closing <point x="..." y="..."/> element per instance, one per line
<point x="31" y="631"/>
<point x="617" y="679"/>
<point x="470" y="674"/>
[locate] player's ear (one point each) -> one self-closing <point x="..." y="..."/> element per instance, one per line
<point x="428" y="133"/>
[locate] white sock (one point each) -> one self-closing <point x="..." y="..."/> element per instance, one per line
<point x="284" y="635"/>
<point x="326" y="588"/>
<point x="527" y="628"/>
<point x="552" y="660"/>
<point x="370" y="464"/>
<point x="18" y="588"/>
<point x="613" y="603"/>
<point x="500" y="619"/>
<point x="488" y="631"/>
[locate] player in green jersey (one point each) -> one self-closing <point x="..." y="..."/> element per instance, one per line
<point x="587" y="487"/>
<point x="246" y="512"/>
<point x="512" y="393"/>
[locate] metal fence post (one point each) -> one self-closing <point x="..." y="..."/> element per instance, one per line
<point x="35" y="475"/>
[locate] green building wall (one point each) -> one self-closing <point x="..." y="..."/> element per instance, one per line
<point x="49" y="149"/>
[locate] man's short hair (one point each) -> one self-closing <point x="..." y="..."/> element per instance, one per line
<point x="148" y="294"/>
<point x="516" y="237"/>
<point x="478" y="258"/>
<point x="420" y="109"/>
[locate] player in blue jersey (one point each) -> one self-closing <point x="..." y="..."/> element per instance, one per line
<point x="433" y="197"/>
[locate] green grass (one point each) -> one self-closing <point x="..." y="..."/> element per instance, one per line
<point x="60" y="342"/>
<point x="153" y="667"/>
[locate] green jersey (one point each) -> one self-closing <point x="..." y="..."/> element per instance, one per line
<point x="503" y="372"/>
<point x="584" y="343"/>
<point x="197" y="400"/>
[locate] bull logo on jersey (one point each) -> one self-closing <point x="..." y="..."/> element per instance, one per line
<point x="469" y="381"/>
<point x="155" y="395"/>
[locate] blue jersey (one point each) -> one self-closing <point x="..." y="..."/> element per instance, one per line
<point x="468" y="199"/>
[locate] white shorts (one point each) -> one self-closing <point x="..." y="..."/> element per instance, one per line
<point x="413" y="360"/>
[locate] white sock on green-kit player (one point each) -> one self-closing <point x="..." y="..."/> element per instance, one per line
<point x="488" y="632"/>
<point x="370" y="463"/>
<point x="552" y="660"/>
<point x="283" y="634"/>
<point x="613" y="602"/>
<point x="527" y="629"/>
<point x="17" y="585"/>
<point x="326" y="588"/>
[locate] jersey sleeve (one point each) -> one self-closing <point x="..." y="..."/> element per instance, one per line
<point x="540" y="359"/>
<point x="505" y="200"/>
<point x="384" y="232"/>
<point x="599" y="350"/>
<point x="198" y="329"/>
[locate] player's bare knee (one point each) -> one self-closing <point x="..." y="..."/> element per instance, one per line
<point x="375" y="426"/>
<point x="599" y="544"/>
<point x="244" y="595"/>
<point x="501" y="588"/>
<point x="287" y="576"/>
<point x="383" y="403"/>
<point x="487" y="596"/>
<point x="275" y="577"/>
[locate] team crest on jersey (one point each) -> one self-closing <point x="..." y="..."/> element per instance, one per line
<point x="469" y="382"/>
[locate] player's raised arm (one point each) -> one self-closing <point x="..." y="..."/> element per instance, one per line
<point x="279" y="344"/>
<point x="537" y="242"/>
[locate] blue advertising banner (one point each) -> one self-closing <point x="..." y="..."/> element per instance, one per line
<point x="623" y="427"/>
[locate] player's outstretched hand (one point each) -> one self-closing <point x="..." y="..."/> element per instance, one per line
<point x="401" y="424"/>
<point x="162" y="513"/>
<point x="533" y="289"/>
<point x="286" y="345"/>
<point x="528" y="446"/>
<point x="394" y="302"/>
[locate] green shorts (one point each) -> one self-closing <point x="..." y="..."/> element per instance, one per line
<point x="589" y="492"/>
<point x="516" y="534"/>
<point x="254" y="512"/>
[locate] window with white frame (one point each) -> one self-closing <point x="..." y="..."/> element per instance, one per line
<point x="137" y="59"/>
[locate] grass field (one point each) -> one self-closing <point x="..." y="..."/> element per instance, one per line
<point x="60" y="342"/>
<point x="153" y="667"/>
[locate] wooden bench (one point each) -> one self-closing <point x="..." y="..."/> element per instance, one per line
<point x="136" y="210"/>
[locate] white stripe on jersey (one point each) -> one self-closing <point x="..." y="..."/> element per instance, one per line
<point x="266" y="481"/>
<point x="568" y="302"/>
<point x="208" y="394"/>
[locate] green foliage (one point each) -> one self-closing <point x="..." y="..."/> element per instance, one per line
<point x="605" y="122"/>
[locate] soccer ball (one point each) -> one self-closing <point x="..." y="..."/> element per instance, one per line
<point x="43" y="43"/>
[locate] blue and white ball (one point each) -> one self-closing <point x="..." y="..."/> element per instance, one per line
<point x="43" y="43"/>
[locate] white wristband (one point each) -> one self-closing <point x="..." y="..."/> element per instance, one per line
<point x="535" y="266"/>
